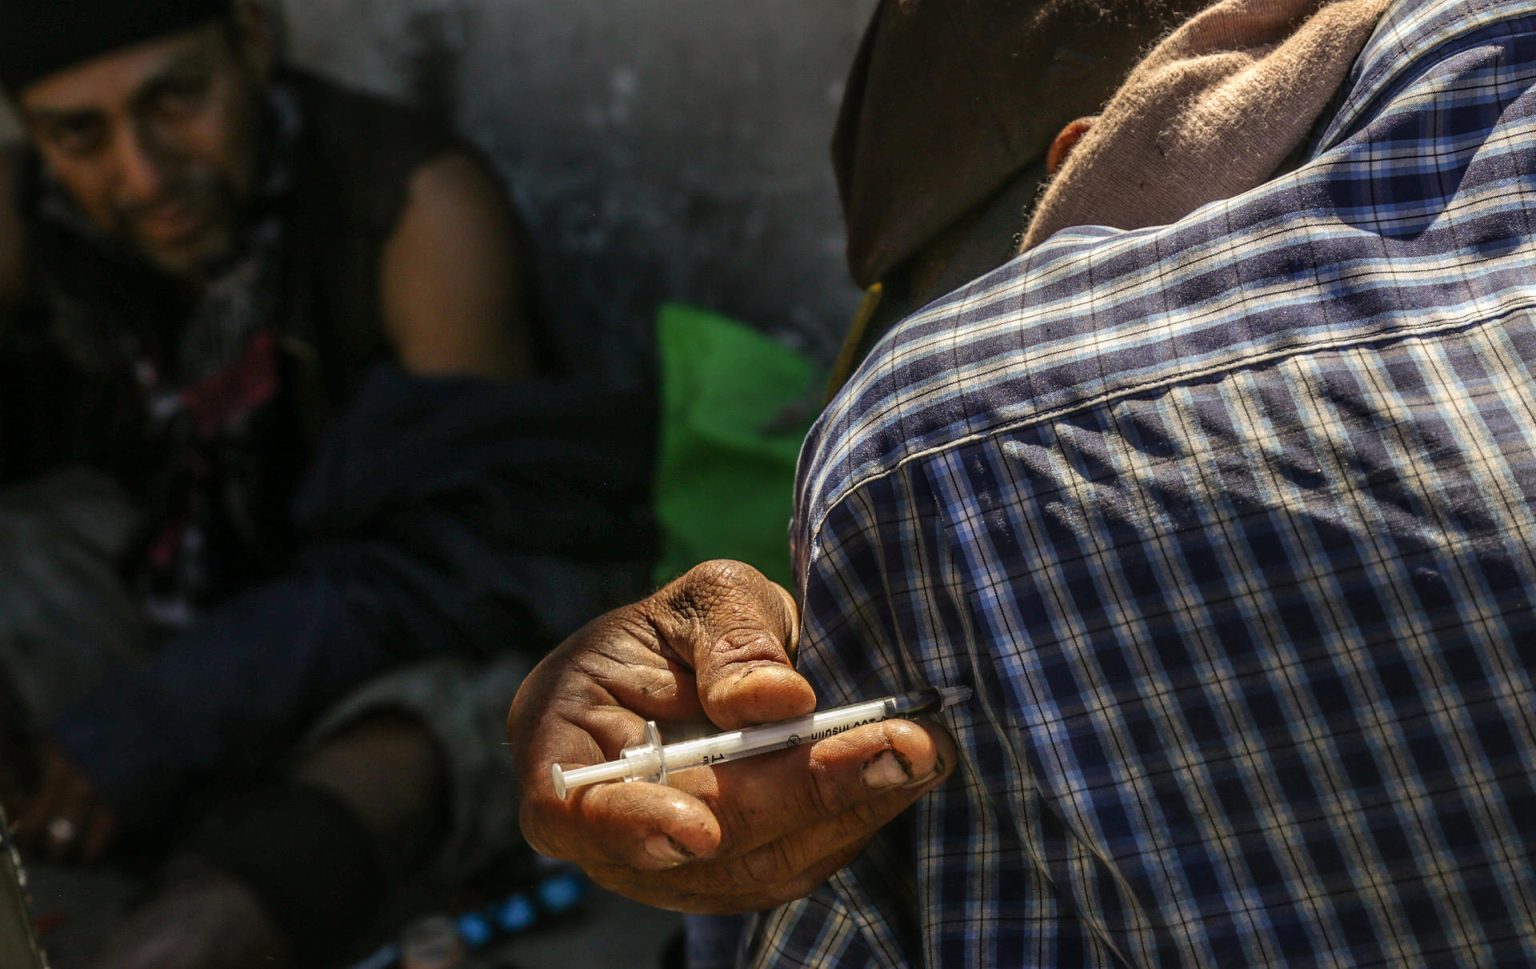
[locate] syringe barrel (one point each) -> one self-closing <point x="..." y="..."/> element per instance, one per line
<point x="735" y="744"/>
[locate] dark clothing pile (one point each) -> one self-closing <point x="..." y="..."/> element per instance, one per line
<point x="440" y="516"/>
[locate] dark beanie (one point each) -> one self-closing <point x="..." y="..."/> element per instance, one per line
<point x="40" y="37"/>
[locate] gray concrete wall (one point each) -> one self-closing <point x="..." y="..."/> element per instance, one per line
<point x="660" y="149"/>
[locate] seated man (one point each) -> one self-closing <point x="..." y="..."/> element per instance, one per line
<point x="1227" y="520"/>
<point x="229" y="290"/>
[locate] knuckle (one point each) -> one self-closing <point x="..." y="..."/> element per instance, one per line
<point x="719" y="577"/>
<point x="711" y="589"/>
<point x="629" y="624"/>
<point x="727" y="612"/>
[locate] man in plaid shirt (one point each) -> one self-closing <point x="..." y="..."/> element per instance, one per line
<point x="1229" y="523"/>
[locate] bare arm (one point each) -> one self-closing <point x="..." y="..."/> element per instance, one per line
<point x="452" y="276"/>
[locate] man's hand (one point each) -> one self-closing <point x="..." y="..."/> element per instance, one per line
<point x="715" y="644"/>
<point x="64" y="817"/>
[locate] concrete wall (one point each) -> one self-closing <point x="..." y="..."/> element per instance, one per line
<point x="660" y="149"/>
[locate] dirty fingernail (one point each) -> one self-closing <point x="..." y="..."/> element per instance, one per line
<point x="938" y="768"/>
<point x="667" y="849"/>
<point x="886" y="770"/>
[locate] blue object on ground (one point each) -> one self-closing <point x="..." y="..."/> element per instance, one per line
<point x="561" y="893"/>
<point x="516" y="913"/>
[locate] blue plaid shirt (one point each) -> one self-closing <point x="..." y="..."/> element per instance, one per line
<point x="1231" y="524"/>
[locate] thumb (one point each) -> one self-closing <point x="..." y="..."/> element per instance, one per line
<point x="737" y="630"/>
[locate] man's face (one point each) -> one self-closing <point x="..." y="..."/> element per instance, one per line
<point x="158" y="143"/>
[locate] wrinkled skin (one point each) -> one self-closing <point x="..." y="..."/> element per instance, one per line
<point x="715" y="645"/>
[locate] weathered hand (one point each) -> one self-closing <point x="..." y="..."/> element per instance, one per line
<point x="715" y="644"/>
<point x="64" y="816"/>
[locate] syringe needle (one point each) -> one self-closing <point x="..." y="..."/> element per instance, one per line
<point x="651" y="761"/>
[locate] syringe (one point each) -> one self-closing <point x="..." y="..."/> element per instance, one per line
<point x="650" y="761"/>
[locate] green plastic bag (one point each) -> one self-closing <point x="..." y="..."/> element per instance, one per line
<point x="735" y="408"/>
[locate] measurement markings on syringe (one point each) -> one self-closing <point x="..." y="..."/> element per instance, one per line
<point x="794" y="740"/>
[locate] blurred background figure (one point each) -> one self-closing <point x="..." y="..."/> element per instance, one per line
<point x="292" y="495"/>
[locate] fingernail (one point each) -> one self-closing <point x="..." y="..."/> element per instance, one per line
<point x="887" y="769"/>
<point x="665" y="848"/>
<point x="938" y="768"/>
